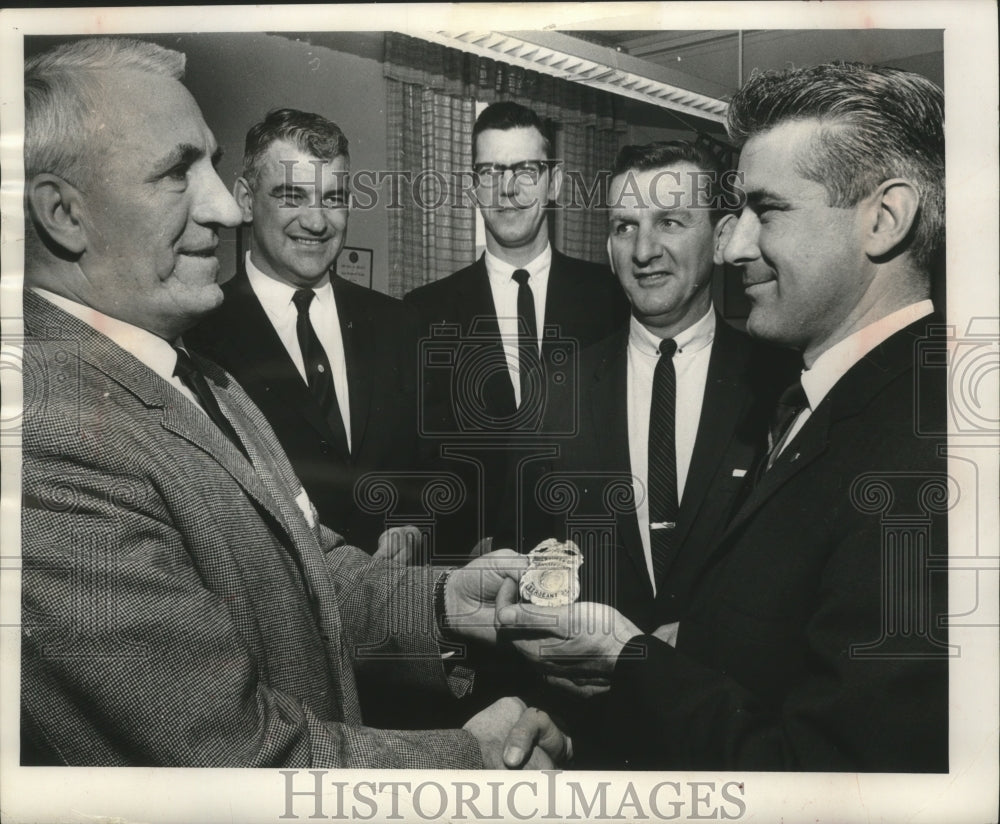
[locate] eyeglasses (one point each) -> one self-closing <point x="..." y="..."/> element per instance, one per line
<point x="524" y="171"/>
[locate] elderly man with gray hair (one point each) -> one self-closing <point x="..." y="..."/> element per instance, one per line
<point x="182" y="605"/>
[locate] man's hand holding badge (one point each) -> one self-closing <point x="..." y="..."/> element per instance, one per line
<point x="575" y="644"/>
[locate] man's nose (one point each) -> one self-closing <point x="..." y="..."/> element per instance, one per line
<point x="312" y="217"/>
<point x="742" y="244"/>
<point x="509" y="181"/>
<point x="647" y="247"/>
<point x="214" y="205"/>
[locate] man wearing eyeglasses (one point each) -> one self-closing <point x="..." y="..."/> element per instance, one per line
<point x="518" y="307"/>
<point x="327" y="361"/>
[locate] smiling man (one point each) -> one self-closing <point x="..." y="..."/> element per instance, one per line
<point x="331" y="364"/>
<point x="816" y="636"/>
<point x="181" y="605"/>
<point x="678" y="402"/>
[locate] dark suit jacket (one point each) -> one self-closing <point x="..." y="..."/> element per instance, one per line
<point x="379" y="347"/>
<point x="178" y="607"/>
<point x="812" y="641"/>
<point x="467" y="401"/>
<point x="744" y="379"/>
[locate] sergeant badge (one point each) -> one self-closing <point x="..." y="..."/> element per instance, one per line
<point x="552" y="577"/>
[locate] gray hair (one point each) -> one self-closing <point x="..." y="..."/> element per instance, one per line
<point x="62" y="93"/>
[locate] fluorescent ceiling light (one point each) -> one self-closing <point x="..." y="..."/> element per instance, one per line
<point x="580" y="62"/>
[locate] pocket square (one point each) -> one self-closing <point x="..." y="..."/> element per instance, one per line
<point x="739" y="473"/>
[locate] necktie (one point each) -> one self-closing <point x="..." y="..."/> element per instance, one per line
<point x="792" y="401"/>
<point x="318" y="374"/>
<point x="662" y="470"/>
<point x="191" y="377"/>
<point x="527" y="338"/>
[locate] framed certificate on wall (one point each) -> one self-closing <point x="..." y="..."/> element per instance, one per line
<point x="355" y="264"/>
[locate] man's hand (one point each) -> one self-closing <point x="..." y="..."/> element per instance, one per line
<point x="581" y="687"/>
<point x="399" y="545"/>
<point x="579" y="643"/>
<point x="513" y="736"/>
<point x="470" y="595"/>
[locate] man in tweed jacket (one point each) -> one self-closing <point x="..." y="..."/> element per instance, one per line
<point x="181" y="604"/>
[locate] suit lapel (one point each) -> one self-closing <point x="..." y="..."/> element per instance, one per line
<point x="265" y="355"/>
<point x="183" y="419"/>
<point x="849" y="396"/>
<point x="608" y="401"/>
<point x="272" y="483"/>
<point x="806" y="447"/>
<point x="359" y="337"/>
<point x="726" y="396"/>
<point x="560" y="298"/>
<point x="475" y="304"/>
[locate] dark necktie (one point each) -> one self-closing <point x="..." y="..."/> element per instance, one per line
<point x="792" y="401"/>
<point x="318" y="374"/>
<point x="662" y="470"/>
<point x="528" y="362"/>
<point x="191" y="377"/>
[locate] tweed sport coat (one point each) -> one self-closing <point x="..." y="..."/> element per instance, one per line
<point x="178" y="608"/>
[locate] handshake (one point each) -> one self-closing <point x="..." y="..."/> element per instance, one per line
<point x="574" y="645"/>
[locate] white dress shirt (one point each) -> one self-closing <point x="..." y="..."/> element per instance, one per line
<point x="276" y="298"/>
<point x="694" y="350"/>
<point x="152" y="350"/>
<point x="836" y="361"/>
<point x="504" y="289"/>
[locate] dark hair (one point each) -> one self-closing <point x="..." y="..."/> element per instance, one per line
<point x="312" y="133"/>
<point x="663" y="153"/>
<point x="878" y="123"/>
<point x="509" y="115"/>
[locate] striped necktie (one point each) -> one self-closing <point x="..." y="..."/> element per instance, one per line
<point x="662" y="470"/>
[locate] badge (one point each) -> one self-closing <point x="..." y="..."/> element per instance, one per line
<point x="552" y="578"/>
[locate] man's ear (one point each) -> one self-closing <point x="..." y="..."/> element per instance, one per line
<point x="721" y="234"/>
<point x="56" y="206"/>
<point x="244" y="198"/>
<point x="892" y="210"/>
<point x="555" y="182"/>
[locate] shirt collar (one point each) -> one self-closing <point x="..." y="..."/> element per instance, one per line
<point x="696" y="337"/>
<point x="500" y="271"/>
<point x="152" y="350"/>
<point x="836" y="361"/>
<point x="276" y="294"/>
